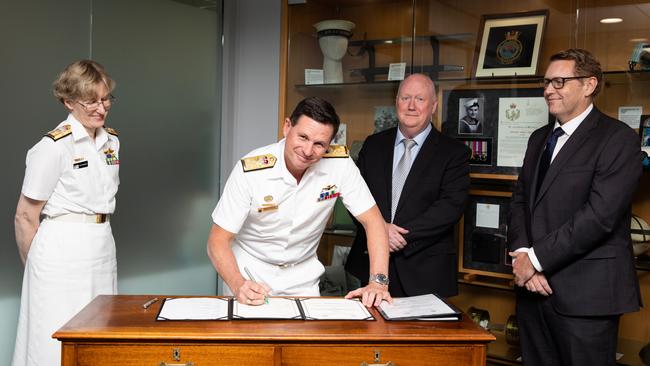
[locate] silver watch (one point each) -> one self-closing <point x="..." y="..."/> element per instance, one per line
<point x="380" y="278"/>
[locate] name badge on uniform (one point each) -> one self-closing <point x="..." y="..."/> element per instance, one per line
<point x="269" y="205"/>
<point x="111" y="157"/>
<point x="80" y="163"/>
<point x="328" y="192"/>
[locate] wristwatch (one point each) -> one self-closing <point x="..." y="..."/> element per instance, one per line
<point x="380" y="278"/>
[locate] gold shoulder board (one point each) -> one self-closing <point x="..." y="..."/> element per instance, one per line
<point x="59" y="133"/>
<point x="258" y="162"/>
<point x="337" y="151"/>
<point x="111" y="131"/>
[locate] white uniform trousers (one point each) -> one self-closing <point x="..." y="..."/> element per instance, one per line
<point x="67" y="266"/>
<point x="300" y="279"/>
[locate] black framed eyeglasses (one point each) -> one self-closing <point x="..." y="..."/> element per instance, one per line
<point x="107" y="102"/>
<point x="558" y="83"/>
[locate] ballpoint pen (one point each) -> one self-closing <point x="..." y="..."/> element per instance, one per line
<point x="250" y="277"/>
<point x="149" y="303"/>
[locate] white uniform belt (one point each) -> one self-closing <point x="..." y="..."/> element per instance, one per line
<point x="293" y="264"/>
<point x="78" y="217"/>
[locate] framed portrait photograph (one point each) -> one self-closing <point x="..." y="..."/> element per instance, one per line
<point x="470" y="112"/>
<point x="509" y="44"/>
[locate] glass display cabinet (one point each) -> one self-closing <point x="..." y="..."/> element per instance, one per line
<point x="493" y="52"/>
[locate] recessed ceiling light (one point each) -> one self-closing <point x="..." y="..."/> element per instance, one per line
<point x="611" y="20"/>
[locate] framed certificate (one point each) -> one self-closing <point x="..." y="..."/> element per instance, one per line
<point x="483" y="249"/>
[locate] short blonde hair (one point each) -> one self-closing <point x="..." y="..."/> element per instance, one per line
<point x="79" y="81"/>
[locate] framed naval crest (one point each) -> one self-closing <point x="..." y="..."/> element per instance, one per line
<point x="509" y="44"/>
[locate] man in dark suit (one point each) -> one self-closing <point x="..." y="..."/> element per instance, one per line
<point x="569" y="229"/>
<point x="420" y="181"/>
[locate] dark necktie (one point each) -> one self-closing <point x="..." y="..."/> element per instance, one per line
<point x="545" y="161"/>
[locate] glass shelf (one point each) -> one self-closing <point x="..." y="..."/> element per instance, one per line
<point x="609" y="77"/>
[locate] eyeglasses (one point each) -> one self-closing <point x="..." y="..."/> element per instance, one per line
<point x="107" y="102"/>
<point x="558" y="83"/>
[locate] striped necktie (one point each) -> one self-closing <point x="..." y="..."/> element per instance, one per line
<point x="400" y="174"/>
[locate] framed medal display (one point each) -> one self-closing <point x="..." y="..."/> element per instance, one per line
<point x="494" y="124"/>
<point x="509" y="44"/>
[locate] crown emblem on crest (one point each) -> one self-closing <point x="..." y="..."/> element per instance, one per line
<point x="513" y="35"/>
<point x="513" y="106"/>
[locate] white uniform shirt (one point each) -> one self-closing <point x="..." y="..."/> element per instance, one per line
<point x="289" y="234"/>
<point x="74" y="174"/>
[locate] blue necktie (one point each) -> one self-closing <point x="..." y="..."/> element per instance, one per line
<point x="545" y="162"/>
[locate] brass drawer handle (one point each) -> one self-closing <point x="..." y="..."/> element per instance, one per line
<point x="377" y="360"/>
<point x="176" y="364"/>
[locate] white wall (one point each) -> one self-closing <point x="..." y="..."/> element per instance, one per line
<point x="251" y="67"/>
<point x="166" y="59"/>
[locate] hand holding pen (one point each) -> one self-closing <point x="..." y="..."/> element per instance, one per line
<point x="252" y="292"/>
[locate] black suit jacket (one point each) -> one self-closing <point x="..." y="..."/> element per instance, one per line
<point x="432" y="201"/>
<point x="579" y="222"/>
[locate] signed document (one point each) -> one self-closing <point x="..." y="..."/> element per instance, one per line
<point x="194" y="308"/>
<point x="518" y="118"/>
<point x="276" y="308"/>
<point x="319" y="308"/>
<point x="284" y="308"/>
<point x="423" y="307"/>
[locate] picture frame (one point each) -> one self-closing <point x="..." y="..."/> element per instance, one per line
<point x="509" y="44"/>
<point x="483" y="248"/>
<point x="490" y="157"/>
<point x="644" y="131"/>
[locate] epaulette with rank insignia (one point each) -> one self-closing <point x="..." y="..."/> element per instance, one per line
<point x="258" y="162"/>
<point x="337" y="151"/>
<point x="59" y="133"/>
<point x="111" y="131"/>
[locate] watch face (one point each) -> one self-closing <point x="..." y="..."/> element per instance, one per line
<point x="379" y="278"/>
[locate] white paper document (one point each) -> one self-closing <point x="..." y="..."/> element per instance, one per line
<point x="334" y="309"/>
<point x="194" y="308"/>
<point x="414" y="307"/>
<point x="313" y="76"/>
<point x="631" y="115"/>
<point x="276" y="308"/>
<point x="487" y="215"/>
<point x="396" y="71"/>
<point x="518" y="118"/>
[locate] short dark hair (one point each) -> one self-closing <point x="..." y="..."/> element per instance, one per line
<point x="317" y="109"/>
<point x="586" y="64"/>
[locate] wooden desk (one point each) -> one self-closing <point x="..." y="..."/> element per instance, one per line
<point x="115" y="330"/>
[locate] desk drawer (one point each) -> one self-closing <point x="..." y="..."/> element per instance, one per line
<point x="398" y="355"/>
<point x="177" y="355"/>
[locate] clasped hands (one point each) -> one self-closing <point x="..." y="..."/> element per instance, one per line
<point x="396" y="241"/>
<point x="527" y="276"/>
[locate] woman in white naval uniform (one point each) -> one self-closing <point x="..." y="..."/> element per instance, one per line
<point x="71" y="179"/>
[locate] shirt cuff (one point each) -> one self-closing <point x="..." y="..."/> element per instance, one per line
<point x="534" y="260"/>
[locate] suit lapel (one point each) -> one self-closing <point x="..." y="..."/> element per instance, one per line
<point x="574" y="143"/>
<point x="419" y="165"/>
<point x="387" y="173"/>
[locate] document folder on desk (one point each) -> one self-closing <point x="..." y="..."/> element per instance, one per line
<point x="213" y="308"/>
<point x="424" y="307"/>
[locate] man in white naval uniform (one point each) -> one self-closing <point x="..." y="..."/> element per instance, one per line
<point x="274" y="208"/>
